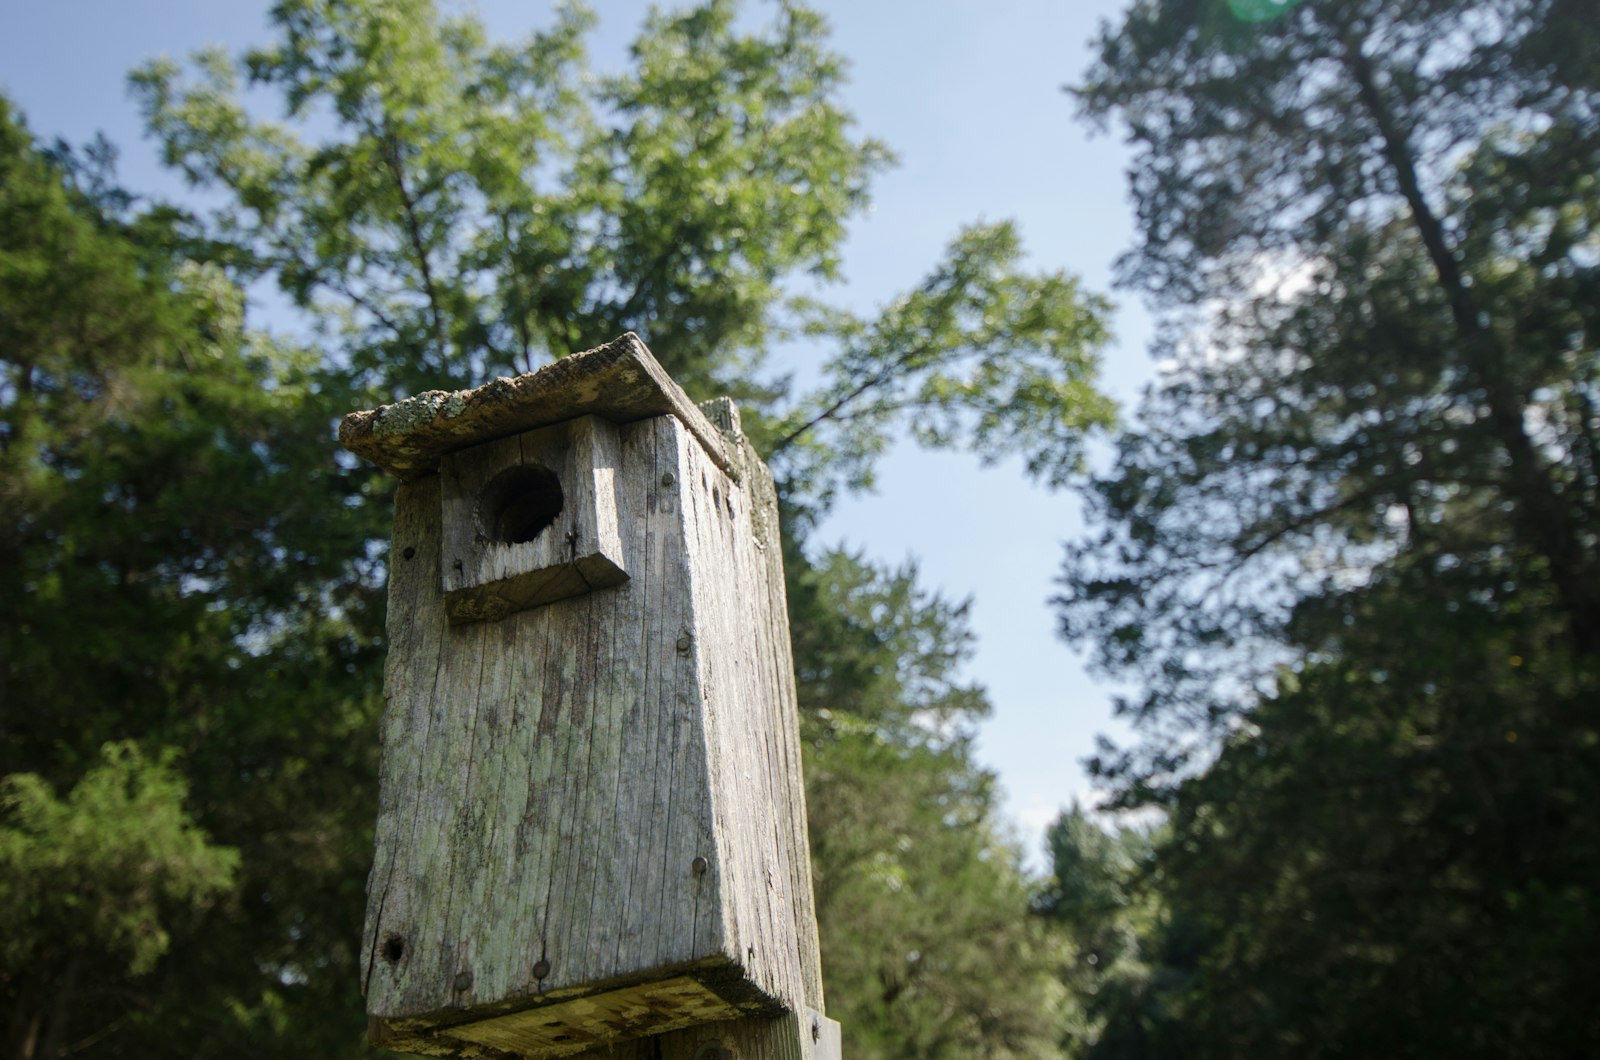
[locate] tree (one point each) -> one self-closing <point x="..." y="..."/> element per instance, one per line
<point x="193" y="567"/>
<point x="185" y="581"/>
<point x="92" y="880"/>
<point x="475" y="210"/>
<point x="453" y="209"/>
<point x="1408" y="827"/>
<point x="1350" y="546"/>
<point x="1099" y="895"/>
<point x="927" y="949"/>
<point x="1345" y="408"/>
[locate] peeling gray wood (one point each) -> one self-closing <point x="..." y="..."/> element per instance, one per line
<point x="552" y="780"/>
<point x="620" y="381"/>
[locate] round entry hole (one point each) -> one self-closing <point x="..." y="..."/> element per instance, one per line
<point x="518" y="504"/>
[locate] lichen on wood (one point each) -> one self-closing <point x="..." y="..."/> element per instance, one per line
<point x="620" y="381"/>
<point x="601" y="795"/>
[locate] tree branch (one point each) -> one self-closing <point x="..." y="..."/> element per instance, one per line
<point x="413" y="225"/>
<point x="833" y="409"/>
<point x="362" y="302"/>
<point x="521" y="313"/>
<point x="1549" y="521"/>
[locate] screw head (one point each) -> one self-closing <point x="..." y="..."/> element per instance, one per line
<point x="463" y="980"/>
<point x="667" y="479"/>
<point x="541" y="968"/>
<point x="684" y="643"/>
<point x="699" y="866"/>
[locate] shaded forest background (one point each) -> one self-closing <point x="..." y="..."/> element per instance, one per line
<point x="1345" y="550"/>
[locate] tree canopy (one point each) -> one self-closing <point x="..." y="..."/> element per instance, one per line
<point x="453" y="209"/>
<point x="1372" y="350"/>
<point x="193" y="596"/>
<point x="187" y="636"/>
<point x="1349" y="547"/>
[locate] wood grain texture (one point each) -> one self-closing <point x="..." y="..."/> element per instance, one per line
<point x="620" y="381"/>
<point x="572" y="1027"/>
<point x="487" y="577"/>
<point x="788" y="1036"/>
<point x="551" y="781"/>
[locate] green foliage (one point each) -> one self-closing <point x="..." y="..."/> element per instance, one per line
<point x="978" y="351"/>
<point x="97" y="874"/>
<point x="184" y="566"/>
<point x="188" y="563"/>
<point x="458" y="209"/>
<point x="926" y="948"/>
<point x="1349" y="548"/>
<point x="1099" y="894"/>
<point x="452" y="209"/>
<point x="1409" y="827"/>
<point x="92" y="887"/>
<point x="1352" y="412"/>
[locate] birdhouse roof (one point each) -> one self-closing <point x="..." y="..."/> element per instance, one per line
<point x="620" y="381"/>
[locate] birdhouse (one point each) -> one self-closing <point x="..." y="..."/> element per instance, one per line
<point x="591" y="826"/>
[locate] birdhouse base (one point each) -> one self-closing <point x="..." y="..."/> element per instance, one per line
<point x="558" y="1026"/>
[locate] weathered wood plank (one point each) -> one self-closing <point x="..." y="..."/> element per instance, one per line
<point x="572" y="1027"/>
<point x="735" y="557"/>
<point x="620" y="381"/>
<point x="790" y="1036"/>
<point x="600" y="794"/>
<point x="530" y="519"/>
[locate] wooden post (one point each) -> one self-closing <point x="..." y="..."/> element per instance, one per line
<point x="591" y="833"/>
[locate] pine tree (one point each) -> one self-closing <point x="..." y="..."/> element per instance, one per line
<point x="1350" y="546"/>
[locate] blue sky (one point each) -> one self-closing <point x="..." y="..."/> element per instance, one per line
<point x="969" y="96"/>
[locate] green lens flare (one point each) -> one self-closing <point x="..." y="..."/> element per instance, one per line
<point x="1259" y="10"/>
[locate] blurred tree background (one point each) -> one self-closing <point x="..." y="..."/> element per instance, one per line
<point x="194" y="574"/>
<point x="1345" y="553"/>
<point x="1348" y="549"/>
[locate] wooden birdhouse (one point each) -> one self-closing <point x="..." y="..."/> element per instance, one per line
<point x="591" y="827"/>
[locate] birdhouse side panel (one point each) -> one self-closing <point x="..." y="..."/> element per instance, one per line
<point x="752" y="723"/>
